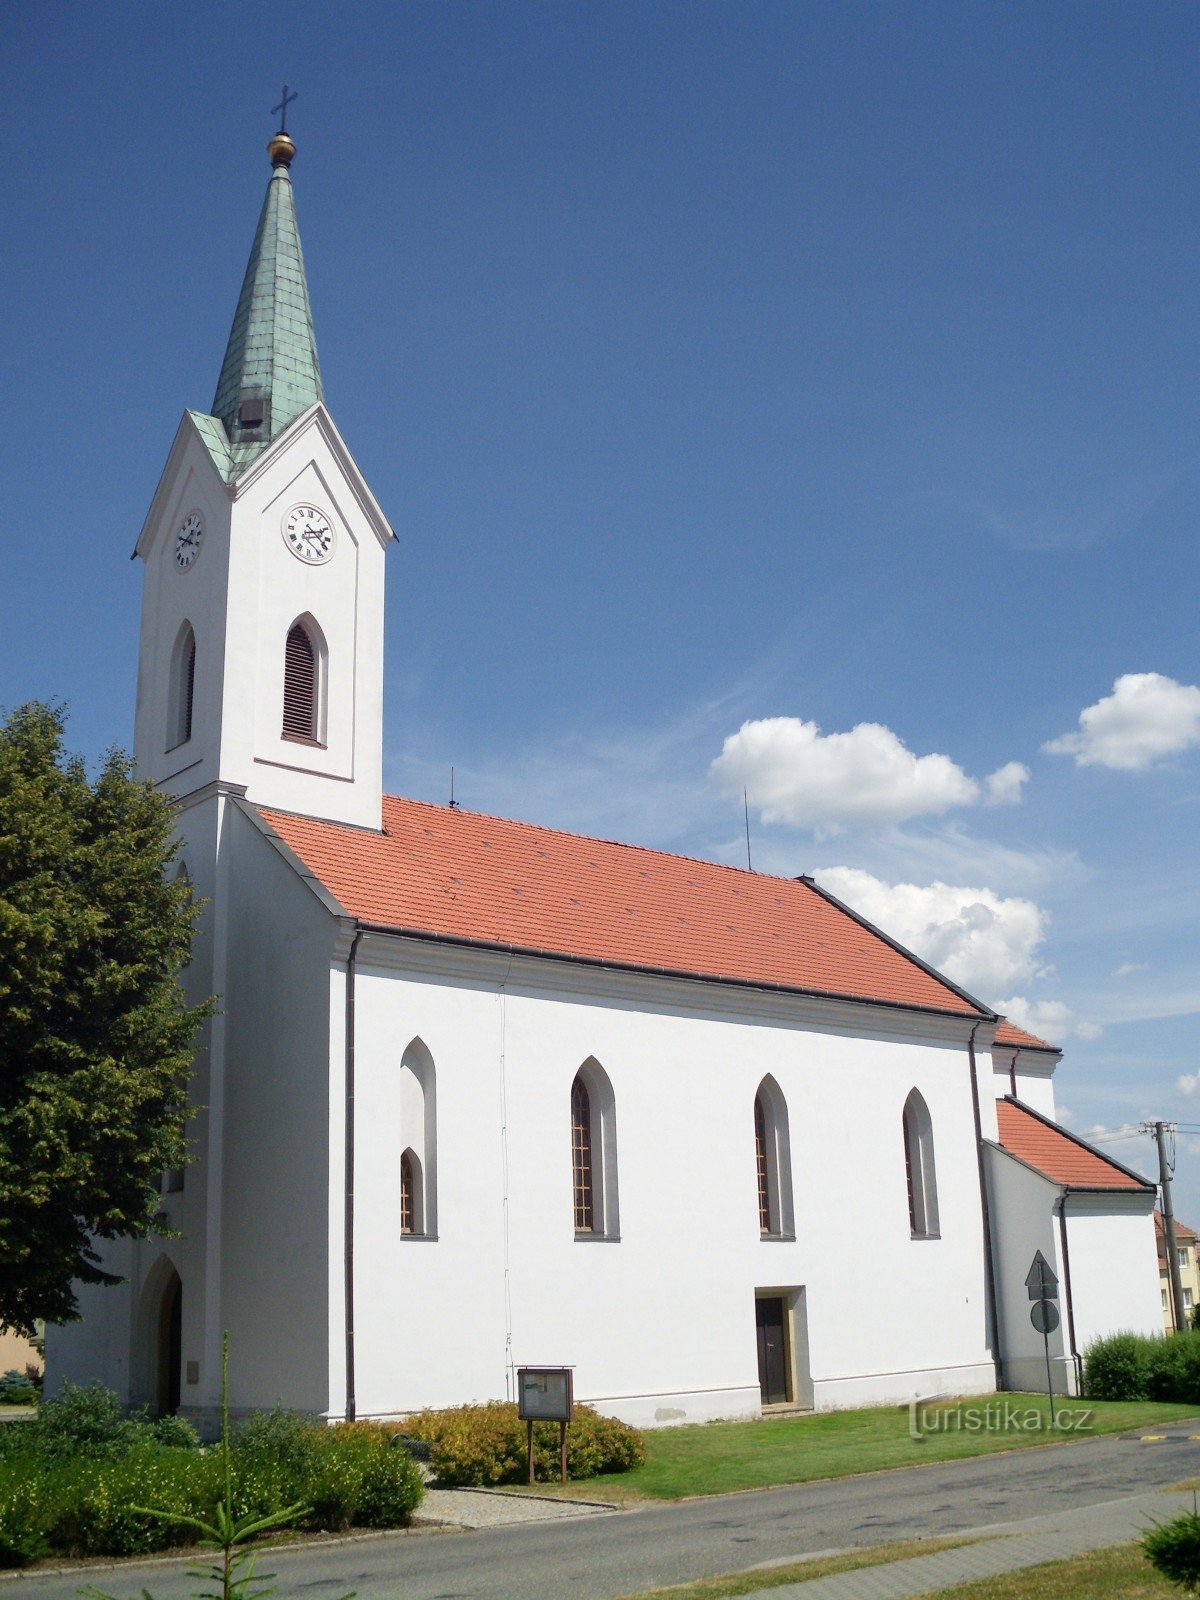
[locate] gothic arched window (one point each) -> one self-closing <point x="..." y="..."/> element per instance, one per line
<point x="919" y="1168"/>
<point x="418" y="1134"/>
<point x="594" y="1154"/>
<point x="773" y="1162"/>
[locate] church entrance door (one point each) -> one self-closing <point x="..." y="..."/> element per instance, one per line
<point x="773" y="1365"/>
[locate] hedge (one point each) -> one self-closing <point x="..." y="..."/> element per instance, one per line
<point x="69" y="1480"/>
<point x="483" y="1445"/>
<point x="1134" y="1366"/>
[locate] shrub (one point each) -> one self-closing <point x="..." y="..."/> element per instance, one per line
<point x="1174" y="1548"/>
<point x="1173" y="1367"/>
<point x="177" y="1433"/>
<point x="487" y="1444"/>
<point x="1116" y="1367"/>
<point x="69" y="1484"/>
<point x="17" y="1389"/>
<point x="346" y="1474"/>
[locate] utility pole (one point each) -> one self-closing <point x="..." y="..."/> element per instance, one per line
<point x="1164" y="1178"/>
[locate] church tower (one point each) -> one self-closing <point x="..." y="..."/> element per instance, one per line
<point x="261" y="662"/>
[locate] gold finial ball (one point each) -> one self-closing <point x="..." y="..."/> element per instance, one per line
<point x="281" y="150"/>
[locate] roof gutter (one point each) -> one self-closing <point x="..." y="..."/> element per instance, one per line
<point x="761" y="985"/>
<point x="989" y="1269"/>
<point x="1076" y="1359"/>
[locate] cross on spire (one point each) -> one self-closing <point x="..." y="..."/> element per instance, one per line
<point x="282" y="108"/>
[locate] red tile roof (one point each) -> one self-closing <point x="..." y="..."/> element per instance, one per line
<point x="458" y="875"/>
<point x="1009" y="1033"/>
<point x="1061" y="1156"/>
<point x="1182" y="1231"/>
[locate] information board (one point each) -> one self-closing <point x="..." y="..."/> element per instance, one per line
<point x="545" y="1394"/>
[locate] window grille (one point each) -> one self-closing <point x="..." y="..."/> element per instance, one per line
<point x="760" y="1155"/>
<point x="300" y="687"/>
<point x="407" y="1194"/>
<point x="581" y="1157"/>
<point x="908" y="1171"/>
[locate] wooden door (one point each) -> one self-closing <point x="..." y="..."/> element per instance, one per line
<point x="770" y="1315"/>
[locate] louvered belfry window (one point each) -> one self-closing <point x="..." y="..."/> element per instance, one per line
<point x="189" y="689"/>
<point x="581" y="1157"/>
<point x="300" y="687"/>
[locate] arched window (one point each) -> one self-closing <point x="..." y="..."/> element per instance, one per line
<point x="418" y="1139"/>
<point x="919" y="1168"/>
<point x="773" y="1162"/>
<point x="302" y="685"/>
<point x="594" y="1154"/>
<point x="182" y="688"/>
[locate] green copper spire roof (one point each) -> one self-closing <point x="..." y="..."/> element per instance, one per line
<point x="270" y="373"/>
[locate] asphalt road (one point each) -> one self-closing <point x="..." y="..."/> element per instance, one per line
<point x="599" y="1557"/>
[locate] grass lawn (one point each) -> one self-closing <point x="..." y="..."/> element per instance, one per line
<point x="1122" y="1573"/>
<point x="720" y="1456"/>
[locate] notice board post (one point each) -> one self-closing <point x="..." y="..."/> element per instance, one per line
<point x="546" y="1394"/>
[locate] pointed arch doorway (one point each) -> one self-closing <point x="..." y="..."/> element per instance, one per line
<point x="168" y="1346"/>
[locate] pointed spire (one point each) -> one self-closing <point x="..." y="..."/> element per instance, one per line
<point x="270" y="373"/>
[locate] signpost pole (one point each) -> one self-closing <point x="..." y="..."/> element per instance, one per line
<point x="530" y="1426"/>
<point x="562" y="1449"/>
<point x="1049" y="1379"/>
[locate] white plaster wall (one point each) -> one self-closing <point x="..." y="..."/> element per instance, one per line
<point x="275" y="1222"/>
<point x="1114" y="1265"/>
<point x="1023" y="1222"/>
<point x="660" y="1324"/>
<point x="1036" y="1090"/>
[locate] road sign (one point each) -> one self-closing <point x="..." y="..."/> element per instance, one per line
<point x="1040" y="1280"/>
<point x="1044" y="1315"/>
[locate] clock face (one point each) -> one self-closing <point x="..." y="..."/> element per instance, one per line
<point x="188" y="540"/>
<point x="308" y="535"/>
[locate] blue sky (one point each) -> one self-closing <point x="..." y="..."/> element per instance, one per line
<point x="730" y="372"/>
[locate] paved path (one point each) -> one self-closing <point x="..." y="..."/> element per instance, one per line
<point x="599" y="1557"/>
<point x="1008" y="1548"/>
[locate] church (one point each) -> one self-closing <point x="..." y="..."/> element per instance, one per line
<point x="480" y="1094"/>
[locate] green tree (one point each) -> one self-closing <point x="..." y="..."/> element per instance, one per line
<point x="95" y="1038"/>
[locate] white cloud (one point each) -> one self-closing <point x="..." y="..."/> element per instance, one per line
<point x="1128" y="967"/>
<point x="1005" y="784"/>
<point x="1147" y="716"/>
<point x="982" y="941"/>
<point x="1088" y="1030"/>
<point x="1188" y="1083"/>
<point x="797" y="775"/>
<point x="1049" y="1019"/>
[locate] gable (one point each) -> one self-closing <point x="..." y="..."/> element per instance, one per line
<point x="450" y="874"/>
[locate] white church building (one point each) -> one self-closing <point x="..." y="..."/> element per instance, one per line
<point x="481" y="1094"/>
